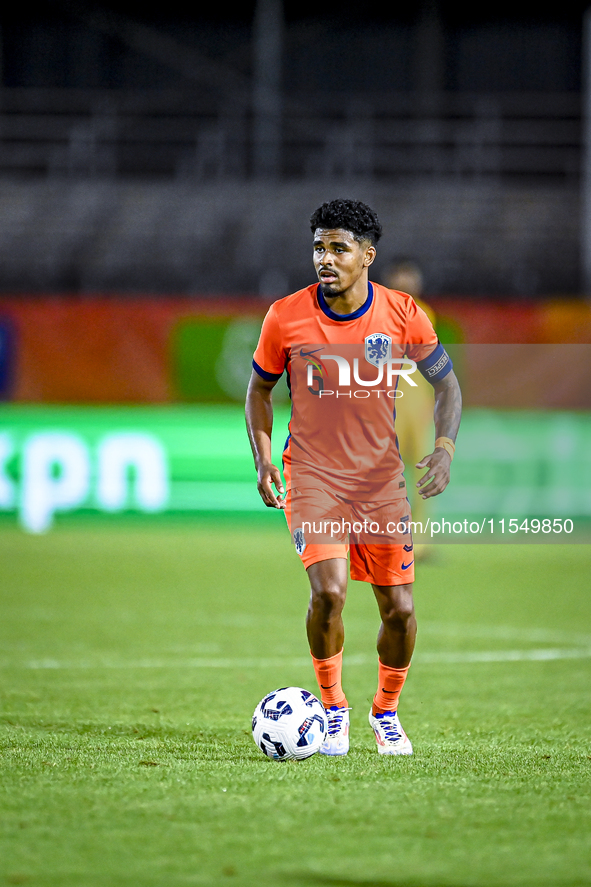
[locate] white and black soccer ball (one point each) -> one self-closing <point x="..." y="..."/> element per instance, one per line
<point x="289" y="724"/>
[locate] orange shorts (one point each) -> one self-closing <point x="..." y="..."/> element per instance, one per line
<point x="337" y="527"/>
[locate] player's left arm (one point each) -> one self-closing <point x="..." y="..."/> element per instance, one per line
<point x="447" y="415"/>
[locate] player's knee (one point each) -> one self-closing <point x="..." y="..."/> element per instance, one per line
<point x="328" y="597"/>
<point x="398" y="612"/>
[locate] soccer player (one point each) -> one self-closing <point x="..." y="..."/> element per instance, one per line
<point x="341" y="461"/>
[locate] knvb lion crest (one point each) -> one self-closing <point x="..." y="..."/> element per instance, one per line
<point x="378" y="349"/>
<point x="299" y="540"/>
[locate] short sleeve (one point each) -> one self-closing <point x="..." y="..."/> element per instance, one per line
<point x="424" y="347"/>
<point x="270" y="356"/>
<point x="421" y="337"/>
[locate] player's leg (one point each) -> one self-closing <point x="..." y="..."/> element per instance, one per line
<point x="398" y="630"/>
<point x="396" y="641"/>
<point x="326" y="563"/>
<point x="324" y="626"/>
<point x="324" y="621"/>
<point x="389" y="567"/>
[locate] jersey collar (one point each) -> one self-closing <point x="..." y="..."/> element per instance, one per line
<point x="334" y="316"/>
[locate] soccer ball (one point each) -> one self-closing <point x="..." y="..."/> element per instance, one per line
<point x="289" y="724"/>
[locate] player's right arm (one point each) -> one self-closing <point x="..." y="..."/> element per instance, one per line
<point x="259" y="423"/>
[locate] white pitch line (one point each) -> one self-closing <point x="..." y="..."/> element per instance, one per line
<point x="436" y="658"/>
<point x="434" y="628"/>
<point x="540" y="655"/>
<point x="506" y="632"/>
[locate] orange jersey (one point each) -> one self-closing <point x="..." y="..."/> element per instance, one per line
<point x="343" y="376"/>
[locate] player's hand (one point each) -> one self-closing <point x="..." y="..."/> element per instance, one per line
<point x="269" y="476"/>
<point x="437" y="478"/>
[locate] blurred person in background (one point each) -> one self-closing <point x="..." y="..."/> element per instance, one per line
<point x="414" y="415"/>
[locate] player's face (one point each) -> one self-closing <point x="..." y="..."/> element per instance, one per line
<point x="339" y="259"/>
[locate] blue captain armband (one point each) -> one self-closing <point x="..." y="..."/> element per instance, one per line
<point x="437" y="365"/>
<point x="270" y="377"/>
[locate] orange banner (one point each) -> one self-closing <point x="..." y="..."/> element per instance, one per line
<point x="64" y="349"/>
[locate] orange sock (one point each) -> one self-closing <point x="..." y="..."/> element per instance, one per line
<point x="328" y="675"/>
<point x="390" y="684"/>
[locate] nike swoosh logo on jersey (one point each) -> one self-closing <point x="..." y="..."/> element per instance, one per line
<point x="310" y="353"/>
<point x="406" y="566"/>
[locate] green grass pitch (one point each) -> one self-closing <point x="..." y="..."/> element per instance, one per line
<point x="132" y="657"/>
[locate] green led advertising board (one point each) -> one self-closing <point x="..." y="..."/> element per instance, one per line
<point x="191" y="459"/>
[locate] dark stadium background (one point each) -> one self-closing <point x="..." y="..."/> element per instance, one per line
<point x="170" y="137"/>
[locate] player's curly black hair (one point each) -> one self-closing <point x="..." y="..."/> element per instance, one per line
<point x="351" y="215"/>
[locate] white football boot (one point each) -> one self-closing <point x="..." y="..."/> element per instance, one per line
<point x="390" y="737"/>
<point x="337" y="738"/>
